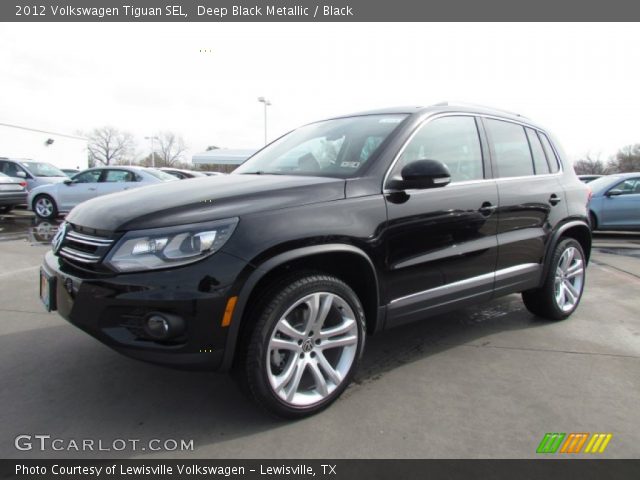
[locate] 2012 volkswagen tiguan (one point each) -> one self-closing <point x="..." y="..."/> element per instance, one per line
<point x="339" y="229"/>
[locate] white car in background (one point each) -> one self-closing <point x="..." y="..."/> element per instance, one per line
<point x="48" y="201"/>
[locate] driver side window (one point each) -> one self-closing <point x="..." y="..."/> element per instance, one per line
<point x="453" y="141"/>
<point x="91" y="176"/>
<point x="630" y="186"/>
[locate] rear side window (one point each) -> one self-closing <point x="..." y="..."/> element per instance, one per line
<point x="118" y="176"/>
<point x="453" y="141"/>
<point x="539" y="158"/>
<point x="510" y="148"/>
<point x="551" y="155"/>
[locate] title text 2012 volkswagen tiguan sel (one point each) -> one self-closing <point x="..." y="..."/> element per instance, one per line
<point x="338" y="229"/>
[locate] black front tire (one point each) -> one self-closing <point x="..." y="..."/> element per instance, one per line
<point x="593" y="221"/>
<point x="543" y="301"/>
<point x="255" y="365"/>
<point x="6" y="208"/>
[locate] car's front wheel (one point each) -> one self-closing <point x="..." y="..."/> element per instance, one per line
<point x="561" y="292"/>
<point x="305" y="346"/>
<point x="45" y="207"/>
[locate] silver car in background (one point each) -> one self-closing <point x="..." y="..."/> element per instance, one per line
<point x="48" y="201"/>
<point x="12" y="193"/>
<point x="32" y="172"/>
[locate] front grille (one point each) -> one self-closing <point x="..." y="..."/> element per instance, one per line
<point x="82" y="249"/>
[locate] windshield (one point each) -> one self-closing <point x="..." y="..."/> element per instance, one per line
<point x="42" y="169"/>
<point x="603" y="182"/>
<point x="333" y="148"/>
<point x="159" y="174"/>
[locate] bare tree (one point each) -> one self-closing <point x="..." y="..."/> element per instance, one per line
<point x="108" y="145"/>
<point x="590" y="166"/>
<point x="626" y="160"/>
<point x="171" y="149"/>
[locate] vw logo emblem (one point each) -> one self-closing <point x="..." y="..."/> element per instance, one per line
<point x="58" y="237"/>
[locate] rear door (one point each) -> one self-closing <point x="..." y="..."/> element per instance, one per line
<point x="622" y="208"/>
<point x="116" y="180"/>
<point x="441" y="242"/>
<point x="531" y="202"/>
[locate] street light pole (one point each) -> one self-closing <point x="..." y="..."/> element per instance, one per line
<point x="153" y="156"/>
<point x="266" y="104"/>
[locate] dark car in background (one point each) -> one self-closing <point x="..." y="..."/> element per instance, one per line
<point x="588" y="178"/>
<point x="339" y="229"/>
<point x="615" y="204"/>
<point x="181" y="173"/>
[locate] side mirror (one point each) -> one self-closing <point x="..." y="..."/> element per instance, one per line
<point x="21" y="174"/>
<point x="68" y="181"/>
<point x="422" y="174"/>
<point x="614" y="193"/>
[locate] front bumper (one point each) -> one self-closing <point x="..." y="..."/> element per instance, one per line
<point x="112" y="308"/>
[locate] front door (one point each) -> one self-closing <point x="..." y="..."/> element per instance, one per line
<point x="441" y="242"/>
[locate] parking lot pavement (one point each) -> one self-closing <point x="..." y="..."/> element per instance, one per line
<point x="488" y="381"/>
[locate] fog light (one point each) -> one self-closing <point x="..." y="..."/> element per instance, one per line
<point x="162" y="326"/>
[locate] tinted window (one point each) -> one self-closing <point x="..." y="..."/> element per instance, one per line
<point x="628" y="186"/>
<point x="551" y="155"/>
<point x="539" y="159"/>
<point x="510" y="148"/>
<point x="118" y="176"/>
<point x="90" y="176"/>
<point x="453" y="141"/>
<point x="11" y="169"/>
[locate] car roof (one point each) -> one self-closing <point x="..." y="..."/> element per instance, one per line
<point x="446" y="107"/>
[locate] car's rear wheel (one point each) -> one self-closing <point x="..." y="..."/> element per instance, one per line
<point x="305" y="346"/>
<point x="561" y="292"/>
<point x="45" y="207"/>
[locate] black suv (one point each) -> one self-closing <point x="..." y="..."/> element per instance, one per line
<point x="339" y="229"/>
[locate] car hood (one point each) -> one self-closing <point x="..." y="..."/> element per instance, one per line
<point x="202" y="199"/>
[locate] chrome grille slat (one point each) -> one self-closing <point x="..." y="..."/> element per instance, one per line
<point x="78" y="256"/>
<point x="89" y="240"/>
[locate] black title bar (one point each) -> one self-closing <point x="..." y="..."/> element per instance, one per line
<point x="543" y="468"/>
<point x="315" y="10"/>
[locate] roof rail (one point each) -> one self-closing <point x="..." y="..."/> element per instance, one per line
<point x="475" y="105"/>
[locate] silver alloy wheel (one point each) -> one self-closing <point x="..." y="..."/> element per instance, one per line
<point x="44" y="207"/>
<point x="312" y="349"/>
<point x="569" y="279"/>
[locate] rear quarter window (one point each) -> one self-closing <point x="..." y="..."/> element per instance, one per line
<point x="554" y="165"/>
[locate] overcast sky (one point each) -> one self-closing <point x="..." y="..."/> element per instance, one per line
<point x="579" y="80"/>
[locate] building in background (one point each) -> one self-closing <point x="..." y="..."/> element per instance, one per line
<point x="63" y="151"/>
<point x="221" y="159"/>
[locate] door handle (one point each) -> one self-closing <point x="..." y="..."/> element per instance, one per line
<point x="554" y="199"/>
<point x="487" y="208"/>
<point x="93" y="189"/>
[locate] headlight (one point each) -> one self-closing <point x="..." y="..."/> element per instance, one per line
<point x="169" y="247"/>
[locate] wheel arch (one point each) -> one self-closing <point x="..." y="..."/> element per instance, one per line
<point x="347" y="262"/>
<point x="579" y="230"/>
